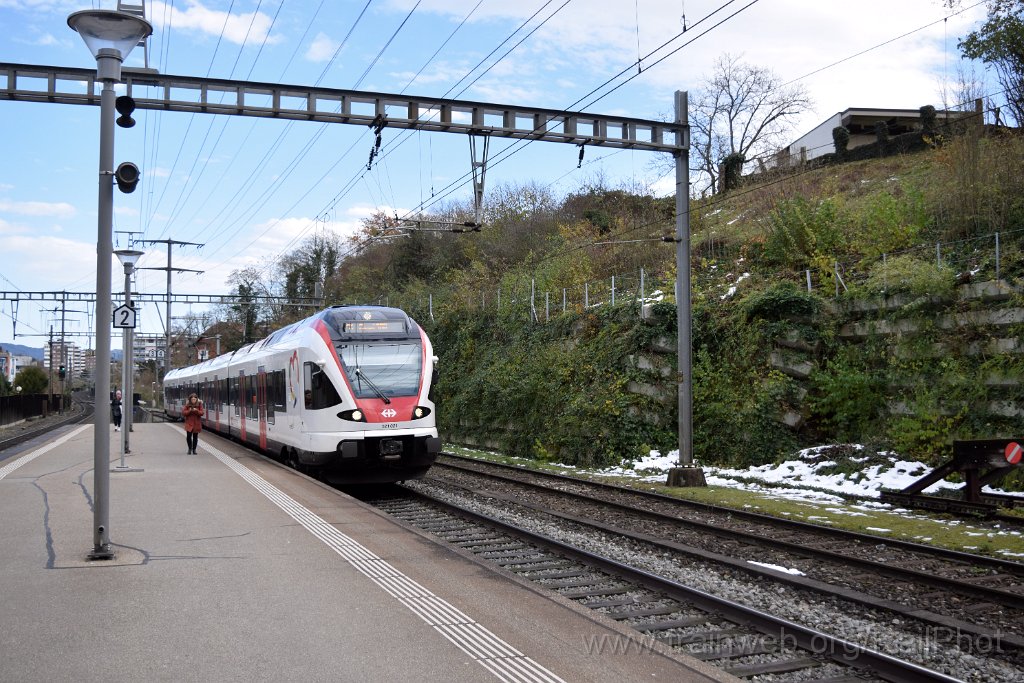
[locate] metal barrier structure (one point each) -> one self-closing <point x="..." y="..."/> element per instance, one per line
<point x="980" y="462"/>
<point x="21" y="407"/>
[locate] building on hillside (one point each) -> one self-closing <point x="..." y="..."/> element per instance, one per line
<point x="861" y="124"/>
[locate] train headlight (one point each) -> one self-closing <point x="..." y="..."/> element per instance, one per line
<point x="420" y="412"/>
<point x="352" y="415"/>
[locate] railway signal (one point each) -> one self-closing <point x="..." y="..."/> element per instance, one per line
<point x="127" y="177"/>
<point x="125" y="105"/>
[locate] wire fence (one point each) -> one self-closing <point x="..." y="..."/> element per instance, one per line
<point x="978" y="259"/>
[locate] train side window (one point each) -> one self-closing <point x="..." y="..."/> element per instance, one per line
<point x="278" y="394"/>
<point x="319" y="390"/>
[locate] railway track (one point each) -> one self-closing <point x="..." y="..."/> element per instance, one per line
<point x="79" y="413"/>
<point x="980" y="597"/>
<point x="745" y="642"/>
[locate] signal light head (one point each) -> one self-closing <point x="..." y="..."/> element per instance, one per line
<point x="127" y="177"/>
<point x="125" y="105"/>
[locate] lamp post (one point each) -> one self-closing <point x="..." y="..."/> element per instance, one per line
<point x="110" y="37"/>
<point x="128" y="259"/>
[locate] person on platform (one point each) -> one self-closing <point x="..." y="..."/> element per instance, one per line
<point x="115" y="411"/>
<point x="193" y="413"/>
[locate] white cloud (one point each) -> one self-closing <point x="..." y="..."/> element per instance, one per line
<point x="61" y="209"/>
<point x="48" y="40"/>
<point x="249" y="28"/>
<point x="61" y="259"/>
<point x="12" y="229"/>
<point x="322" y="49"/>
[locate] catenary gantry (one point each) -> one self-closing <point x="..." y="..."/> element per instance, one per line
<point x="155" y="91"/>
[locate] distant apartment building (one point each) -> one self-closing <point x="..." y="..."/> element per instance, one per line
<point x="147" y="348"/>
<point x="68" y="354"/>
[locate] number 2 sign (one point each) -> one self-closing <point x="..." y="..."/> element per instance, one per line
<point x="124" y="316"/>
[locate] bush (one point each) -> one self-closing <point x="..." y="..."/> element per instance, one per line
<point x="32" y="380"/>
<point x="800" y="230"/>
<point x="907" y="274"/>
<point x="882" y="136"/>
<point x="780" y="301"/>
<point x="733" y="172"/>
<point x="848" y="396"/>
<point x="890" y="223"/>
<point x="928" y="117"/>
<point x="841" y="139"/>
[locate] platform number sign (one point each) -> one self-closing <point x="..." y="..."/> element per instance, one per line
<point x="124" y="316"/>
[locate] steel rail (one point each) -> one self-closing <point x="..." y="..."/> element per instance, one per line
<point x="946" y="553"/>
<point x="27" y="435"/>
<point x="836" y="649"/>
<point x="797" y="581"/>
<point x="1001" y="597"/>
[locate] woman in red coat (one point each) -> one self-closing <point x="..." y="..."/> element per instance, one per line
<point x="193" y="413"/>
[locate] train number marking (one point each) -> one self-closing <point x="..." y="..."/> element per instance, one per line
<point x="389" y="425"/>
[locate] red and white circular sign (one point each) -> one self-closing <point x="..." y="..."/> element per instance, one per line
<point x="1013" y="452"/>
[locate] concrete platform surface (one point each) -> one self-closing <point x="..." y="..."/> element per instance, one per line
<point x="230" y="567"/>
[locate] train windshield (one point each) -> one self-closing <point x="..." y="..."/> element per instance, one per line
<point x="382" y="370"/>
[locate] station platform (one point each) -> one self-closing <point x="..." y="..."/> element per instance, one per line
<point x="231" y="567"/>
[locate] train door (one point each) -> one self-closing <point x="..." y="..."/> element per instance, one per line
<point x="243" y="400"/>
<point x="216" y="402"/>
<point x="261" y="403"/>
<point x="293" y="394"/>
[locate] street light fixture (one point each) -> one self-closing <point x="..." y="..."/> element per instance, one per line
<point x="110" y="37"/>
<point x="128" y="259"/>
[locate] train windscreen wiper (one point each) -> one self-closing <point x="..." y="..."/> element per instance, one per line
<point x="360" y="374"/>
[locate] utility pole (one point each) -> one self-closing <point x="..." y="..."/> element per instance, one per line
<point x="167" y="330"/>
<point x="49" y="384"/>
<point x="62" y="362"/>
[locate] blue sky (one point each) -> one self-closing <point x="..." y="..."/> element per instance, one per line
<point x="252" y="190"/>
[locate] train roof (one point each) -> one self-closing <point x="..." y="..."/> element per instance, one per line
<point x="345" y="323"/>
<point x="380" y="323"/>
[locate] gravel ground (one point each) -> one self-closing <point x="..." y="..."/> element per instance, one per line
<point x="834" y="571"/>
<point x="875" y="629"/>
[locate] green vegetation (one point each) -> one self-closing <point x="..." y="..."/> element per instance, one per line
<point x="32" y="380"/>
<point x="883" y="349"/>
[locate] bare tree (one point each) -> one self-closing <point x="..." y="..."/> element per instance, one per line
<point x="315" y="261"/>
<point x="740" y="109"/>
<point x="247" y="284"/>
<point x="999" y="44"/>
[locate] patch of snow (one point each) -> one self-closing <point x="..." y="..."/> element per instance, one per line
<point x="777" y="568"/>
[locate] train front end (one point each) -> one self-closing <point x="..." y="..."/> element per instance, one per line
<point x="386" y="421"/>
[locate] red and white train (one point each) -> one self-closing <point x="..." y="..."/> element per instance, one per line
<point x="345" y="392"/>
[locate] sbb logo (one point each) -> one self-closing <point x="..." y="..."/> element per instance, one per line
<point x="389" y="412"/>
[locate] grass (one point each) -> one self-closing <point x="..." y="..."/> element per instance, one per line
<point x="944" y="531"/>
